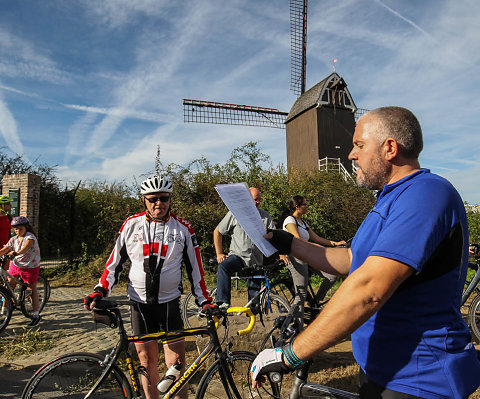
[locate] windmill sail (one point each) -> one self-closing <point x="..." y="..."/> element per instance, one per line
<point x="298" y="45"/>
<point x="195" y="111"/>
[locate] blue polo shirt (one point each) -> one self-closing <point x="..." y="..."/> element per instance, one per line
<point x="417" y="342"/>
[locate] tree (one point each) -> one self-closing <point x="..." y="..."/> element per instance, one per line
<point x="474" y="226"/>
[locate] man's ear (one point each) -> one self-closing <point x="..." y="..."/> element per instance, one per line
<point x="391" y="148"/>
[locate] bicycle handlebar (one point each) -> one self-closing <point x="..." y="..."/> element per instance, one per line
<point x="248" y="312"/>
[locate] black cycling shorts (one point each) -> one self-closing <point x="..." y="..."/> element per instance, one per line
<point x="152" y="318"/>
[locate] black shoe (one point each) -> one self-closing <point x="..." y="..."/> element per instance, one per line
<point x="35" y="321"/>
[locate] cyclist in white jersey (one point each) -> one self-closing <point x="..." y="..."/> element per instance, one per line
<point x="156" y="242"/>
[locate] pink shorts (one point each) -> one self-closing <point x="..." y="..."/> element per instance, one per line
<point x="29" y="276"/>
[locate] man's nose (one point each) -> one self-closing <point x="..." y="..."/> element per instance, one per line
<point x="352" y="154"/>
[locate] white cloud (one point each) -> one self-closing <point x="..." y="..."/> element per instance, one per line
<point x="19" y="58"/>
<point x="8" y="129"/>
<point x="116" y="13"/>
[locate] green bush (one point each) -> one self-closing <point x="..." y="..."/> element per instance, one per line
<point x="474" y="226"/>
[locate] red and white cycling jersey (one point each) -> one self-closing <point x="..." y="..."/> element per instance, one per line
<point x="156" y="251"/>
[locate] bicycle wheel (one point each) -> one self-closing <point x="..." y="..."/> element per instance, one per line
<point x="284" y="288"/>
<point x="43" y="288"/>
<point x="273" y="306"/>
<point x="239" y="363"/>
<point x="72" y="376"/>
<point x="6" y="308"/>
<point x="191" y="311"/>
<point x="474" y="318"/>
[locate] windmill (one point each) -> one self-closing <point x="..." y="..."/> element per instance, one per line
<point x="320" y="124"/>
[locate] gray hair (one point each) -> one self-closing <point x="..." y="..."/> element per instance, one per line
<point x="403" y="126"/>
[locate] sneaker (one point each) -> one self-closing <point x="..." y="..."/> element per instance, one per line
<point x="35" y="321"/>
<point x="224" y="306"/>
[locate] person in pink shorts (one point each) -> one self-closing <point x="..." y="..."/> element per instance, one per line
<point x="24" y="252"/>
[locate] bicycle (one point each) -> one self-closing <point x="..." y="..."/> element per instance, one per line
<point x="271" y="304"/>
<point x="473" y="317"/>
<point x="20" y="297"/>
<point x="88" y="375"/>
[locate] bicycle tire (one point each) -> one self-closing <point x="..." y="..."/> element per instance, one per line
<point x="474" y="318"/>
<point x="71" y="376"/>
<point x="279" y="306"/>
<point x="191" y="311"/>
<point x="6" y="308"/>
<point x="283" y="287"/>
<point x="43" y="288"/>
<point x="211" y="386"/>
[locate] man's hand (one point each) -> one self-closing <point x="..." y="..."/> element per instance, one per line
<point x="208" y="307"/>
<point x="285" y="259"/>
<point x="221" y="258"/>
<point x="91" y="300"/>
<point x="281" y="240"/>
<point x="267" y="361"/>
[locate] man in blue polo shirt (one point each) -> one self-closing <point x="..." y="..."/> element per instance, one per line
<point x="407" y="267"/>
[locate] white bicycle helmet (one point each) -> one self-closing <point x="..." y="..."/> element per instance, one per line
<point x="156" y="184"/>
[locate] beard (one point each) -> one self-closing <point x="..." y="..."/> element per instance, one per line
<point x="375" y="175"/>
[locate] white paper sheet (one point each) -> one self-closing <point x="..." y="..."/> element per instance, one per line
<point x="239" y="201"/>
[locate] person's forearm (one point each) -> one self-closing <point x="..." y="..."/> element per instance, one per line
<point x="218" y="242"/>
<point x="25" y="248"/>
<point x="331" y="260"/>
<point x="319" y="240"/>
<point x="342" y="315"/>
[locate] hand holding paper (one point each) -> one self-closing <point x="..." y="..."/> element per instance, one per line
<point x="238" y="200"/>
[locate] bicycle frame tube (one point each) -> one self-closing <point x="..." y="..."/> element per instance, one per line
<point x="472" y="286"/>
<point x="4" y="274"/>
<point x="303" y="389"/>
<point x="311" y="390"/>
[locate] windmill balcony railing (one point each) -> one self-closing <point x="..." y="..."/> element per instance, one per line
<point x="335" y="165"/>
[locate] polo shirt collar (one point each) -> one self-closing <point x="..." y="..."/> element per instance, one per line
<point x="390" y="187"/>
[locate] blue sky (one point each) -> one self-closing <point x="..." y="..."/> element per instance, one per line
<point x="95" y="86"/>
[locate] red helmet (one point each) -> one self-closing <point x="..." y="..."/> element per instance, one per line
<point x="19" y="220"/>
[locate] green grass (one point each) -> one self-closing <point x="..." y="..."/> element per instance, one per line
<point x="26" y="341"/>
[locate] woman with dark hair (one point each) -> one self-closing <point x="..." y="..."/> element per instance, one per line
<point x="295" y="225"/>
<point x="25" y="254"/>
